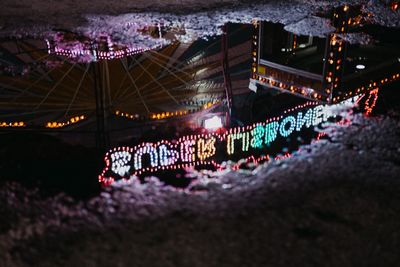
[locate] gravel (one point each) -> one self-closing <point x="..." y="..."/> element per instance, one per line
<point x="200" y="19"/>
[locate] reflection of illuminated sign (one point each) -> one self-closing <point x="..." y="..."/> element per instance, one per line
<point x="122" y="162"/>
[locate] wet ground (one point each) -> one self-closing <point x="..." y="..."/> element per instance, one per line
<point x="199" y="19"/>
<point x="333" y="203"/>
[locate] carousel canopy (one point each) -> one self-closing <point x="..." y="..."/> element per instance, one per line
<point x="54" y="84"/>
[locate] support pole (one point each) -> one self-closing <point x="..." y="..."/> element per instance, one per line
<point x="225" y="71"/>
<point x="102" y="138"/>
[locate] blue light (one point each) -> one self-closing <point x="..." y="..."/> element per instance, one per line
<point x="271" y="131"/>
<point x="282" y="129"/>
<point x="307" y="119"/>
<point x="258" y="134"/>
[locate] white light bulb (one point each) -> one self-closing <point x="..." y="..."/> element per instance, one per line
<point x="360" y="67"/>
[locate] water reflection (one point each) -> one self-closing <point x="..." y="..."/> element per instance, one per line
<point x="103" y="47"/>
<point x="329" y="69"/>
<point x="164" y="82"/>
<point x="53" y="85"/>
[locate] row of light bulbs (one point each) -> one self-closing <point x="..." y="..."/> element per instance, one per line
<point x="94" y="53"/>
<point x="53" y="124"/>
<point x="293" y="88"/>
<point x="371" y="86"/>
<point x="73" y="120"/>
<point x="12" y="124"/>
<point x="164" y="115"/>
<point x="155" y="116"/>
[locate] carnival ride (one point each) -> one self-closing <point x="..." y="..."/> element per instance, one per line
<point x="355" y="58"/>
<point x="73" y="83"/>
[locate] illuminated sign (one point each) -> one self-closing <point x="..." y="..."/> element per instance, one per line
<point x="202" y="149"/>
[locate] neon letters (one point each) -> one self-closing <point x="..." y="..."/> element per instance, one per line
<point x="122" y="162"/>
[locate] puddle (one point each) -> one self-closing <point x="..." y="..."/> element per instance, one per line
<point x="126" y="80"/>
